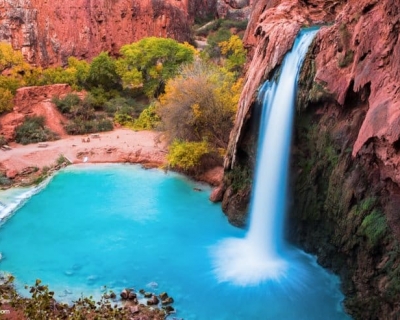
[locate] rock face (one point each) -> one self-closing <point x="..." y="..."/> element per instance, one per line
<point x="234" y="9"/>
<point x="270" y="34"/>
<point x="48" y="32"/>
<point x="346" y="149"/>
<point x="35" y="101"/>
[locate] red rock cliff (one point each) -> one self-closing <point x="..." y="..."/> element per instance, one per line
<point x="48" y="32"/>
<point x="347" y="143"/>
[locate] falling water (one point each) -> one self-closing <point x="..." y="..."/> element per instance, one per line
<point x="261" y="255"/>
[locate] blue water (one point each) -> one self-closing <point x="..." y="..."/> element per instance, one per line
<point x="123" y="226"/>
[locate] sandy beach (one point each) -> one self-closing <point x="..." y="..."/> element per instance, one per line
<point x="121" y="145"/>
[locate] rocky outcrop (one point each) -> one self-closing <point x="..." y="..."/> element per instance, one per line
<point x="48" y="32"/>
<point x="270" y="34"/>
<point x="234" y="9"/>
<point x="346" y="152"/>
<point x="35" y="101"/>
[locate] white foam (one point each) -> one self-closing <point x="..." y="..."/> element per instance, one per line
<point x="239" y="262"/>
<point x="18" y="198"/>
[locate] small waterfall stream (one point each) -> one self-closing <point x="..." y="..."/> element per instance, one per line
<point x="261" y="254"/>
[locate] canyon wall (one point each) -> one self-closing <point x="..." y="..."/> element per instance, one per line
<point x="346" y="185"/>
<point x="48" y="32"/>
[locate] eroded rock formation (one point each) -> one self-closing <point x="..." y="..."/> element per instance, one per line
<point x="35" y="101"/>
<point x="234" y="9"/>
<point x="48" y="32"/>
<point x="346" y="151"/>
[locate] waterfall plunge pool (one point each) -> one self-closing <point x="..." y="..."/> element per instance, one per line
<point x="122" y="226"/>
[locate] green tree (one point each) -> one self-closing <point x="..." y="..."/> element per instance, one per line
<point x="80" y="69"/>
<point x="103" y="73"/>
<point x="212" y="50"/>
<point x="151" y="61"/>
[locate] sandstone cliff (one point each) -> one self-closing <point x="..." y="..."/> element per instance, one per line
<point x="234" y="9"/>
<point x="48" y="32"/>
<point x="346" y="152"/>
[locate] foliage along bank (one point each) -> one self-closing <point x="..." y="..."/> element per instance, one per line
<point x="157" y="83"/>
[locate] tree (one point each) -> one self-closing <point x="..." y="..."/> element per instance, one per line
<point x="80" y="68"/>
<point x="200" y="104"/>
<point x="6" y="100"/>
<point x="10" y="58"/>
<point x="234" y="52"/>
<point x="103" y="73"/>
<point x="150" y="62"/>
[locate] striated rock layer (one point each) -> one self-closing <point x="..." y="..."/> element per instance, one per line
<point x="48" y="32"/>
<point x="346" y="147"/>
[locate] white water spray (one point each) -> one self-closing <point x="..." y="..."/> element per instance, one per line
<point x="261" y="254"/>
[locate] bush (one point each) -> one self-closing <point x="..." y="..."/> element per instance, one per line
<point x="374" y="227"/>
<point x="4" y="181"/>
<point x="81" y="126"/>
<point x="123" y="119"/>
<point x="186" y="155"/>
<point x="65" y="105"/>
<point x="33" y="130"/>
<point x="6" y="100"/>
<point x="148" y="119"/>
<point x="98" y="97"/>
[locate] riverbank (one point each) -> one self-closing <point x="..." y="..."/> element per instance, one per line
<point x="23" y="165"/>
<point x="121" y="145"/>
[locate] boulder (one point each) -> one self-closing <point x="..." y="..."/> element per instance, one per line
<point x="217" y="194"/>
<point x="153" y="301"/>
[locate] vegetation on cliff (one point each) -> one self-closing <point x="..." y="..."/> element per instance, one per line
<point x="156" y="83"/>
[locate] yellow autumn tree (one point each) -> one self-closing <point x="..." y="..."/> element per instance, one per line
<point x="234" y="52"/>
<point x="200" y="104"/>
<point x="6" y="100"/>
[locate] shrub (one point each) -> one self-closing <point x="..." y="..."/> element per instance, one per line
<point x="374" y="227"/>
<point x="82" y="126"/>
<point x="32" y="130"/>
<point x="123" y="119"/>
<point x="186" y="155"/>
<point x="6" y="100"/>
<point x="61" y="160"/>
<point x="123" y="105"/>
<point x="65" y="104"/>
<point x="148" y="119"/>
<point x="4" y="181"/>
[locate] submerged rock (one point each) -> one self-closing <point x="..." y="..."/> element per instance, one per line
<point x="153" y="301"/>
<point x="163" y="295"/>
<point x="168" y="300"/>
<point x="168" y="309"/>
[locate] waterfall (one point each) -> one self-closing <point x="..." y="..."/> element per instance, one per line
<point x="261" y="255"/>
